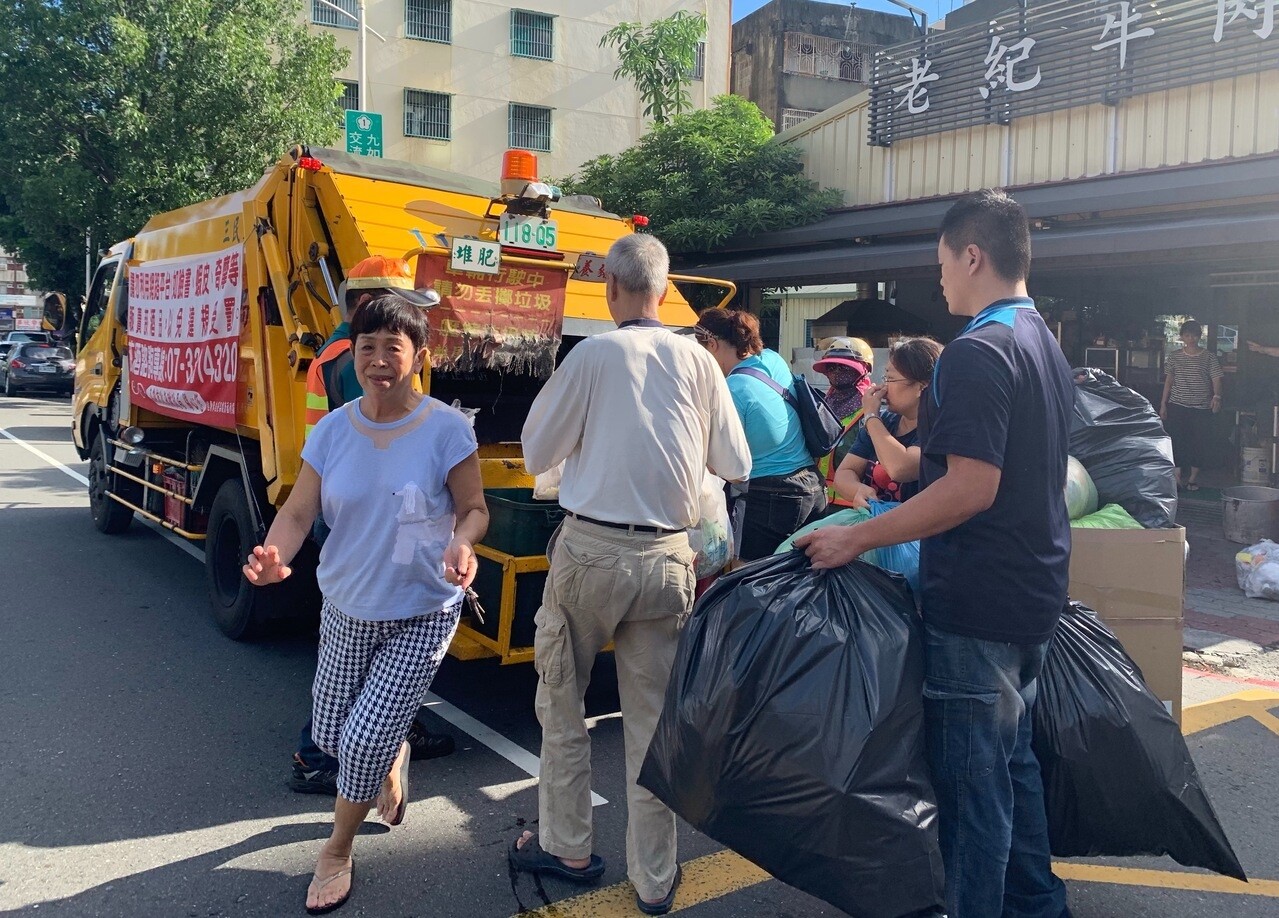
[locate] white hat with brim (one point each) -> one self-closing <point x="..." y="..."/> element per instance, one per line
<point x="400" y="286"/>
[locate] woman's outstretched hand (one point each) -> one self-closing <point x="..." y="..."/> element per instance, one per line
<point x="265" y="567"/>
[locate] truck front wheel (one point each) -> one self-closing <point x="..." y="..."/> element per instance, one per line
<point x="239" y="608"/>
<point x="108" y="515"/>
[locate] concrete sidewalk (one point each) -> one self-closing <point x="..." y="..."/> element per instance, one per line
<point x="1225" y="630"/>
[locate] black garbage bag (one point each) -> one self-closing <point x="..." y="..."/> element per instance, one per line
<point x="1122" y="443"/>
<point x="1118" y="778"/>
<point x="792" y="732"/>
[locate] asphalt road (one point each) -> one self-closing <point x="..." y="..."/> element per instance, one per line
<point x="144" y="755"/>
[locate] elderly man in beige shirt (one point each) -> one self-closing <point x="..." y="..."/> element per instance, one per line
<point x="637" y="415"/>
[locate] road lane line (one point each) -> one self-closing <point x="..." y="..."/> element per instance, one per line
<point x="1166" y="879"/>
<point x="514" y="753"/>
<point x="705" y="878"/>
<point x="1251" y="704"/>
<point x="154" y="527"/>
<point x="46" y="457"/>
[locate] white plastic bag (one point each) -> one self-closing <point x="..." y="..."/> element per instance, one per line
<point x="711" y="538"/>
<point x="547" y="485"/>
<point x="1257" y="570"/>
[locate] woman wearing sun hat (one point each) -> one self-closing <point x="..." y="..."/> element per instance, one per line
<point x="847" y="363"/>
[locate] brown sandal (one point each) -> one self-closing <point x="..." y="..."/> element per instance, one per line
<point x="333" y="906"/>
<point x="398" y="818"/>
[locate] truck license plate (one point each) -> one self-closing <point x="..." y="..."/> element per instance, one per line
<point x="529" y="232"/>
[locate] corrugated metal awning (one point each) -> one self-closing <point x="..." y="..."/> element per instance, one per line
<point x="1064" y="247"/>
<point x="886" y="240"/>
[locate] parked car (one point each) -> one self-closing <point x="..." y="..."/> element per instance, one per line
<point x="19" y="337"/>
<point x="32" y="365"/>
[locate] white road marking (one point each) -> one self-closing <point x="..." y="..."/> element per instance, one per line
<point x="517" y="755"/>
<point x="46" y="457"/>
<point x="154" y="527"/>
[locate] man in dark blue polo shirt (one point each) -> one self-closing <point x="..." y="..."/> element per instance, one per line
<point x="993" y="561"/>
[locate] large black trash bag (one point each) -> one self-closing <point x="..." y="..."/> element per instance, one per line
<point x="792" y="732"/>
<point x="1119" y="438"/>
<point x="1118" y="778"/>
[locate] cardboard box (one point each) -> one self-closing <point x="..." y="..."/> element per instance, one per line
<point x="1135" y="579"/>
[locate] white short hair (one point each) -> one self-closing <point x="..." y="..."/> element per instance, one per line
<point x="639" y="263"/>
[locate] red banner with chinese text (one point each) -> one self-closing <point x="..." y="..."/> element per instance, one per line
<point x="184" y="336"/>
<point x="511" y="321"/>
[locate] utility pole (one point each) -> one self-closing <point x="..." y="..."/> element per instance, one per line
<point x="361" y="45"/>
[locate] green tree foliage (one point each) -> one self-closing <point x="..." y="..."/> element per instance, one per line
<point x="658" y="59"/>
<point x="116" y="110"/>
<point x="706" y="176"/>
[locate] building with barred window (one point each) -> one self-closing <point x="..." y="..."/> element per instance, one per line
<point x="18" y="302"/>
<point x="458" y="82"/>
<point x="795" y="58"/>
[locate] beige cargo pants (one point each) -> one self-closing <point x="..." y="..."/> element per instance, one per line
<point x="634" y="589"/>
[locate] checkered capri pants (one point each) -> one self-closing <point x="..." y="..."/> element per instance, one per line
<point x="368" y="686"/>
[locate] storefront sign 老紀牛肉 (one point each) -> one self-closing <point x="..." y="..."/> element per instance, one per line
<point x="1048" y="56"/>
<point x="511" y="321"/>
<point x="184" y="336"/>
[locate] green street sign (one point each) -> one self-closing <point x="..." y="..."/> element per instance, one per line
<point x="364" y="133"/>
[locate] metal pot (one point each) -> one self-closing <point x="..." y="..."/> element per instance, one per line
<point x="1250" y="513"/>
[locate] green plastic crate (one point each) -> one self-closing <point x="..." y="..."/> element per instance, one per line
<point x="519" y="525"/>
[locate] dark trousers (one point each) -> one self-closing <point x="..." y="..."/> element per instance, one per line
<point x="1191" y="431"/>
<point x="978" y="697"/>
<point x="776" y="506"/>
<point x="313" y="756"/>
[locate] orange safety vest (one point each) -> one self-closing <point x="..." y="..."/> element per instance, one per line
<point x="827" y="466"/>
<point x="318" y="400"/>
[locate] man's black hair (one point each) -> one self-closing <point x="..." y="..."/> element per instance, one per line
<point x="393" y="314"/>
<point x="996" y="224"/>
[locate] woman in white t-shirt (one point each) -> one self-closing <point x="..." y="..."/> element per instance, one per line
<point x="398" y="476"/>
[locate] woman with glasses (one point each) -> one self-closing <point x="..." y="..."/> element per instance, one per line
<point x="785" y="492"/>
<point x="883" y="463"/>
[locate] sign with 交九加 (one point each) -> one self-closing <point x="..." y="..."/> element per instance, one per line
<point x="184" y="336"/>
<point x="364" y="133"/>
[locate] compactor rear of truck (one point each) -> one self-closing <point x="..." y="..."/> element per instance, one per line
<point x="197" y="334"/>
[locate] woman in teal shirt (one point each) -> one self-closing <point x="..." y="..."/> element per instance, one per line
<point x="785" y="491"/>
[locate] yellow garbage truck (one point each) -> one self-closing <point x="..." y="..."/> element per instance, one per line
<point x="196" y="336"/>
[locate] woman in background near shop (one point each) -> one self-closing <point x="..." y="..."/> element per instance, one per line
<point x="847" y="363"/>
<point x="883" y="463"/>
<point x="1192" y="395"/>
<point x="785" y="492"/>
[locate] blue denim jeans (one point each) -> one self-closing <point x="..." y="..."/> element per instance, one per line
<point x="313" y="756"/>
<point x="978" y="697"/>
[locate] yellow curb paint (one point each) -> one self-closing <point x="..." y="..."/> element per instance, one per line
<point x="1166" y="879"/>
<point x="717" y="875"/>
<point x="1251" y="704"/>
<point x="705" y="878"/>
